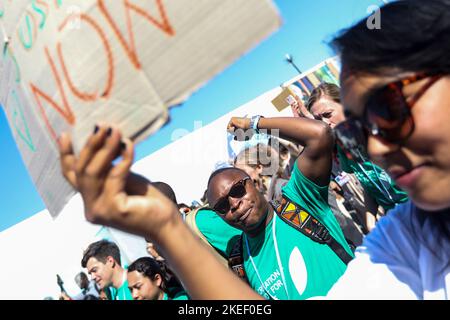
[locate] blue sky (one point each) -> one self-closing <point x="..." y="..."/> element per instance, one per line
<point x="307" y="27"/>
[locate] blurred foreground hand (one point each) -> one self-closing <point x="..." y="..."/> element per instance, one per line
<point x="112" y="195"/>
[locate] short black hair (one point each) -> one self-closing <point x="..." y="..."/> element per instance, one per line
<point x="165" y="189"/>
<point x="81" y="276"/>
<point x="221" y="170"/>
<point x="100" y="250"/>
<point x="149" y="268"/>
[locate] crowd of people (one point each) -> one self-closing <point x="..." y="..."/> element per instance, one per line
<point x="357" y="205"/>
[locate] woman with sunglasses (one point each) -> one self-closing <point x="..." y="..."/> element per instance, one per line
<point x="396" y="89"/>
<point x="380" y="193"/>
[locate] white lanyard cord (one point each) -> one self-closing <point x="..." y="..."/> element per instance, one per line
<point x="124" y="278"/>
<point x="256" y="270"/>
<point x="278" y="255"/>
<point x="278" y="262"/>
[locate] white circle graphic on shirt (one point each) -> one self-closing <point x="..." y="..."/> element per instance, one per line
<point x="297" y="269"/>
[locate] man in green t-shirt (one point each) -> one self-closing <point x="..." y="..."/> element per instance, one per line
<point x="280" y="262"/>
<point x="102" y="260"/>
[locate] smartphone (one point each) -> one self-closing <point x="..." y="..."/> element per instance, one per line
<point x="342" y="179"/>
<point x="290" y="99"/>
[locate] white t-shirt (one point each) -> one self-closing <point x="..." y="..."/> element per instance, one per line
<point x="402" y="258"/>
<point x="91" y="290"/>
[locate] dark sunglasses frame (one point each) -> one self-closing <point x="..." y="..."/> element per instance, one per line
<point x="222" y="206"/>
<point x="389" y="105"/>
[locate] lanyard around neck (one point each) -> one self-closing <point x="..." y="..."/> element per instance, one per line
<point x="384" y="192"/>
<point x="277" y="253"/>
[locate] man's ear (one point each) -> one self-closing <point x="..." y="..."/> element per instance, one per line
<point x="110" y="260"/>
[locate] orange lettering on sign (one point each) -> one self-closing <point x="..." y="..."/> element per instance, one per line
<point x="44" y="4"/>
<point x="65" y="111"/>
<point x="109" y="83"/>
<point x="130" y="49"/>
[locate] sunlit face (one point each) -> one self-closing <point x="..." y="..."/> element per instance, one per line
<point x="328" y="111"/>
<point x="143" y="288"/>
<point x="84" y="282"/>
<point x="422" y="165"/>
<point x="246" y="213"/>
<point x="101" y="273"/>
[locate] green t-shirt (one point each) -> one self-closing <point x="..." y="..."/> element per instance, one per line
<point x="307" y="268"/>
<point x="375" y="181"/>
<point x="181" y="295"/>
<point x="122" y="293"/>
<point x="219" y="234"/>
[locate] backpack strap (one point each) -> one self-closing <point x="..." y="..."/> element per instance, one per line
<point x="298" y="218"/>
<point x="236" y="260"/>
<point x="191" y="222"/>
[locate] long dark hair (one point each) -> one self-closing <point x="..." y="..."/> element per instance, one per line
<point x="149" y="268"/>
<point x="414" y="36"/>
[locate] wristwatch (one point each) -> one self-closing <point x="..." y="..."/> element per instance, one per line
<point x="254" y="123"/>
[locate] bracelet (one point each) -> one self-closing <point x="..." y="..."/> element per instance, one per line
<point x="254" y="123"/>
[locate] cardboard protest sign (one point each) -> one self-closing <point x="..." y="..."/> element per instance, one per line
<point x="67" y="65"/>
<point x="283" y="100"/>
<point x="305" y="83"/>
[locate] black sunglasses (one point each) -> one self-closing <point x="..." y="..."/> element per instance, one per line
<point x="387" y="114"/>
<point x="238" y="190"/>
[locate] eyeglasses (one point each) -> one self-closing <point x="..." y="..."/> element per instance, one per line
<point x="238" y="190"/>
<point x="387" y="114"/>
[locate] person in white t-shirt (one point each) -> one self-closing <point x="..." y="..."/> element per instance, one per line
<point x="87" y="287"/>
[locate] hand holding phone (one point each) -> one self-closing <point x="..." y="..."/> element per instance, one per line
<point x="290" y="99"/>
